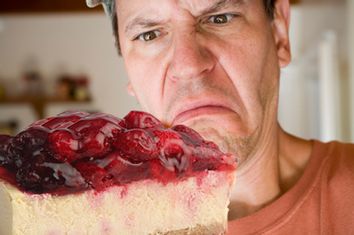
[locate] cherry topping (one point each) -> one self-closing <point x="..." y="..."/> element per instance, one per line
<point x="76" y="151"/>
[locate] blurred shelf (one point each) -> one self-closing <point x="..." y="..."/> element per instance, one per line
<point x="295" y="1"/>
<point x="40" y="103"/>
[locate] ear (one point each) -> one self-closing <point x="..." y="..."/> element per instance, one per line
<point x="130" y="89"/>
<point x="281" y="31"/>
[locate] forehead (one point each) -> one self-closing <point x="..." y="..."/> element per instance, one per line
<point x="133" y="7"/>
<point x="196" y="6"/>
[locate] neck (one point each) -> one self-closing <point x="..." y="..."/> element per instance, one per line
<point x="267" y="174"/>
<point x="257" y="178"/>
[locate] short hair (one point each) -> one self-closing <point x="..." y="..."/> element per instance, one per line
<point x="110" y="9"/>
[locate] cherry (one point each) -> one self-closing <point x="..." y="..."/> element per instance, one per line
<point x="173" y="155"/>
<point x="108" y="118"/>
<point x="64" y="144"/>
<point x="64" y="120"/>
<point x="95" y="176"/>
<point x="166" y="136"/>
<point x="27" y="145"/>
<point x="125" y="171"/>
<point x="32" y="138"/>
<point x="189" y="135"/>
<point x="95" y="136"/>
<point x="136" y="144"/>
<point x="41" y="177"/>
<point x="138" y="119"/>
<point x="35" y="176"/>
<point x="205" y="164"/>
<point x="41" y="122"/>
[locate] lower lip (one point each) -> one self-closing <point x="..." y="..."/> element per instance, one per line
<point x="205" y="110"/>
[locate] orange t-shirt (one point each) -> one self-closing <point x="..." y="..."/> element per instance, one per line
<point x="321" y="202"/>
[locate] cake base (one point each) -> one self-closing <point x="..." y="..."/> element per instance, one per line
<point x="197" y="205"/>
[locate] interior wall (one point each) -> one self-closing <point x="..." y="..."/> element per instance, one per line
<point x="350" y="14"/>
<point x="66" y="43"/>
<point x="299" y="107"/>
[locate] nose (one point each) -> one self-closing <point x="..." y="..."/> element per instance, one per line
<point x="191" y="57"/>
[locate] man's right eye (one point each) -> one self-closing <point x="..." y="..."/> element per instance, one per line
<point x="148" y="36"/>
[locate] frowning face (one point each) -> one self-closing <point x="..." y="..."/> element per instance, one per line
<point x="212" y="65"/>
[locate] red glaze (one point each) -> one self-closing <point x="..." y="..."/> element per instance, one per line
<point x="76" y="151"/>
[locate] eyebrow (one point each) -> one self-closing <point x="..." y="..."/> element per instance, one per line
<point x="217" y="6"/>
<point x="148" y="23"/>
<point x="142" y="22"/>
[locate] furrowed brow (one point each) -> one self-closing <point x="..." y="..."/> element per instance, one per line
<point x="141" y="22"/>
<point x="221" y="4"/>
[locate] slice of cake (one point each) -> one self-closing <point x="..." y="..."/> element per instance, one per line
<point x="80" y="173"/>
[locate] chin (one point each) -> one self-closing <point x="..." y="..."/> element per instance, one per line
<point x="225" y="130"/>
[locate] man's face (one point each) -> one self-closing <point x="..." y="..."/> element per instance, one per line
<point x="209" y="64"/>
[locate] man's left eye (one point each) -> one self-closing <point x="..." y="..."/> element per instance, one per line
<point x="221" y="19"/>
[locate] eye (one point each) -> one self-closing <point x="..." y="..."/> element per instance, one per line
<point x="148" y="36"/>
<point x="221" y="18"/>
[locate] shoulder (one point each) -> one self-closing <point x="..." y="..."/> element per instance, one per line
<point x="339" y="170"/>
<point x="337" y="187"/>
<point x="341" y="155"/>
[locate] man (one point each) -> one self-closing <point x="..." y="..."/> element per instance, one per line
<point x="214" y="65"/>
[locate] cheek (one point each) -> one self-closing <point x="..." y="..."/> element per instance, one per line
<point x="145" y="78"/>
<point x="242" y="65"/>
<point x="250" y="63"/>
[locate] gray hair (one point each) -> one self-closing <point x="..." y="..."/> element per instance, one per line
<point x="109" y="7"/>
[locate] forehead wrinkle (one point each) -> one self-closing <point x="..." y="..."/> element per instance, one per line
<point x="214" y="6"/>
<point x="195" y="7"/>
<point x="147" y="15"/>
<point x="143" y="22"/>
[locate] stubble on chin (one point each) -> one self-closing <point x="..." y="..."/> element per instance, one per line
<point x="241" y="146"/>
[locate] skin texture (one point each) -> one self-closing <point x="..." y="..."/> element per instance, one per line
<point x="214" y="65"/>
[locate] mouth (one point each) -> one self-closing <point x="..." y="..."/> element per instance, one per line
<point x="190" y="113"/>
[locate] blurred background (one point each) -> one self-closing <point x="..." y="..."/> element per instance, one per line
<point x="59" y="55"/>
